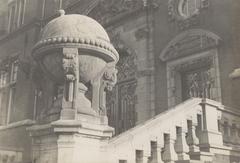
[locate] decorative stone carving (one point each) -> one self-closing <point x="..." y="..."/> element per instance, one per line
<point x="110" y="78"/>
<point x="199" y="84"/>
<point x="70" y="67"/>
<point x="186" y="12"/>
<point x="108" y="9"/>
<point x="73" y="51"/>
<point x="105" y="83"/>
<point x="189" y="42"/>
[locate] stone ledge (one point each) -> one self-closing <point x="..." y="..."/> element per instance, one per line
<point x="25" y="122"/>
<point x="71" y="126"/>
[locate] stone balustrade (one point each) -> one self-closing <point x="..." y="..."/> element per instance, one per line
<point x="190" y="131"/>
<point x="229" y="125"/>
<point x="10" y="156"/>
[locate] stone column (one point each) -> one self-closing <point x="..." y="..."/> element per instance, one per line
<point x="142" y="156"/>
<point x="235" y="139"/>
<point x="181" y="146"/>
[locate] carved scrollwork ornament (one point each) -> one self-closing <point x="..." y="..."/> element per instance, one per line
<point x="110" y="78"/>
<point x="186" y="12"/>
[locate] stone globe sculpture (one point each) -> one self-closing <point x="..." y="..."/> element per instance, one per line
<point x="75" y="50"/>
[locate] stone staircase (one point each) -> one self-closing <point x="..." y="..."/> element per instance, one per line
<point x="194" y="131"/>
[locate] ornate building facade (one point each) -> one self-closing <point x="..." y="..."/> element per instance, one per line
<point x="170" y="51"/>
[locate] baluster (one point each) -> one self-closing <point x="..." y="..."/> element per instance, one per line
<point x="238" y="133"/>
<point x="156" y="152"/>
<point x="141" y="156"/>
<point x="122" y="161"/>
<point x="221" y="127"/>
<point x="181" y="146"/>
<point x="226" y="129"/>
<point x="169" y="154"/>
<point x="192" y="139"/>
<point x="234" y="133"/>
<point x="199" y="127"/>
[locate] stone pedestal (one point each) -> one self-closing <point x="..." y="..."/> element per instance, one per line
<point x="69" y="141"/>
<point x="74" y="51"/>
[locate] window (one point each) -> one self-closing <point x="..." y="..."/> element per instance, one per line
<point x="12" y="17"/>
<point x="3" y="78"/>
<point x="8" y="79"/>
<point x="21" y="12"/>
<point x="16" y="14"/>
<point x="11" y="102"/>
<point x="14" y="69"/>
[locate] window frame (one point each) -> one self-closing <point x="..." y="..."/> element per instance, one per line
<point x="18" y="19"/>
<point x="8" y="88"/>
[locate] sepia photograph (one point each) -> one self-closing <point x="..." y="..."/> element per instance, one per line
<point x="119" y="81"/>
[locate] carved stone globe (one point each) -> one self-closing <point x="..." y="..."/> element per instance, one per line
<point x="74" y="31"/>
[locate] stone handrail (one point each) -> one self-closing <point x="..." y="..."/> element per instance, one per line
<point x="189" y="131"/>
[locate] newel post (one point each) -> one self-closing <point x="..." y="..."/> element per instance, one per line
<point x="210" y="135"/>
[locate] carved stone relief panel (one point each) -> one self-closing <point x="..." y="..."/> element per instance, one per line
<point x="185" y="13"/>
